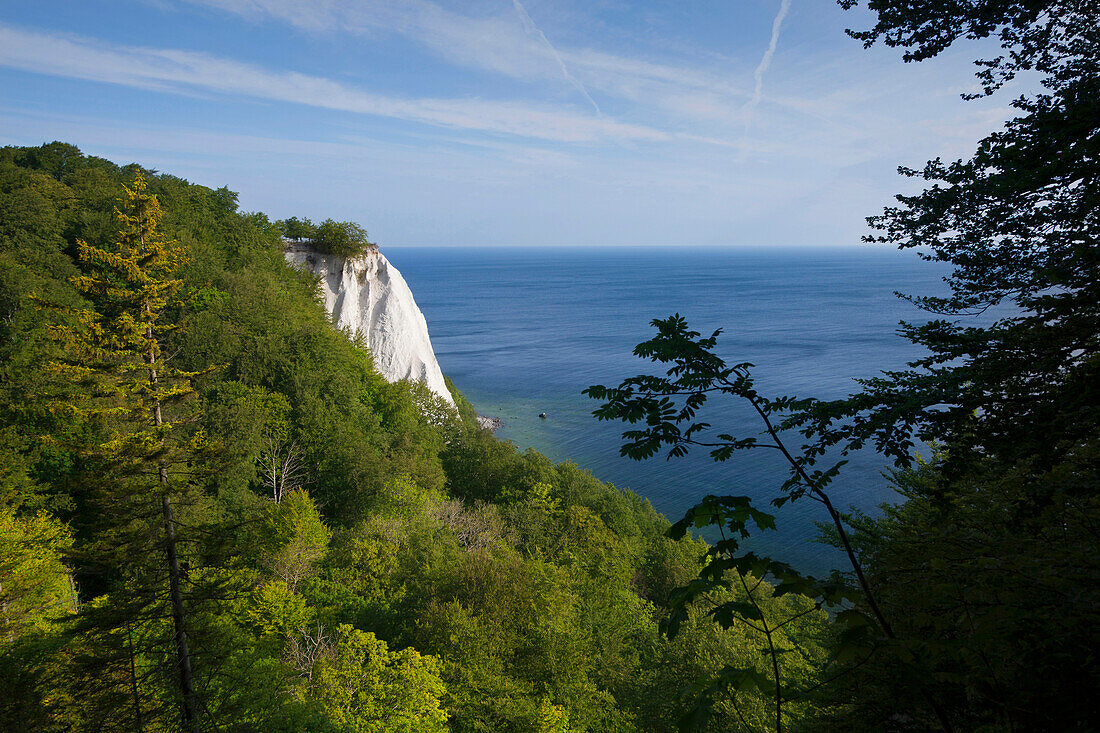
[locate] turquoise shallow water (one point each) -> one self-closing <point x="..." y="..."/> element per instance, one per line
<point x="523" y="331"/>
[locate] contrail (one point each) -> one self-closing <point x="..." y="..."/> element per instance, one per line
<point x="765" y="62"/>
<point x="532" y="30"/>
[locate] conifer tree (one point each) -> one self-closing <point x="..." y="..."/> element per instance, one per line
<point x="121" y="386"/>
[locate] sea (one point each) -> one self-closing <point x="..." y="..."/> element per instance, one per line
<point x="522" y="331"/>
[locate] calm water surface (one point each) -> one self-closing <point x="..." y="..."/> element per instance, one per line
<point x="523" y="331"/>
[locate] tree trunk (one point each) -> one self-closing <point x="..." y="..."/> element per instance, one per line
<point x="187" y="683"/>
<point x="183" y="653"/>
<point x="136" y="699"/>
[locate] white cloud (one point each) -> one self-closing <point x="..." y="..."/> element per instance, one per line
<point x="832" y="106"/>
<point x="186" y="71"/>
<point x="316" y="15"/>
<point x="500" y="45"/>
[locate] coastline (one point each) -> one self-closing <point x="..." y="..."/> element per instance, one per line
<point x="492" y="424"/>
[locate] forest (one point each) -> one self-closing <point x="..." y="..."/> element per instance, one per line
<point x="215" y="515"/>
<point x="342" y="553"/>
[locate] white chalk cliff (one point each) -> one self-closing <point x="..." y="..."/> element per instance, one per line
<point x="367" y="296"/>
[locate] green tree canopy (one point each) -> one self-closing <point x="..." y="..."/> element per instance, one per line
<point x="297" y="229"/>
<point x="364" y="687"/>
<point x="1019" y="224"/>
<point x="341" y="238"/>
<point x="35" y="584"/>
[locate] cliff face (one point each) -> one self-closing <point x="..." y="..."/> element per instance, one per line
<point x="368" y="296"/>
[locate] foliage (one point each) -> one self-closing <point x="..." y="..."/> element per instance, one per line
<point x="997" y="594"/>
<point x="1017" y="222"/>
<point x="415" y="573"/>
<point x="994" y="525"/>
<point x="365" y="688"/>
<point x="297" y="229"/>
<point x="35" y="587"/>
<point x="295" y="538"/>
<point x="1011" y="406"/>
<point x="341" y="238"/>
<point x="664" y="404"/>
<point x="113" y="374"/>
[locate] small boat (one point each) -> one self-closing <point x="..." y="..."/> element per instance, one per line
<point x="542" y="415"/>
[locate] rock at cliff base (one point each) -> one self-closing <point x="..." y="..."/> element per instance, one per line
<point x="489" y="423"/>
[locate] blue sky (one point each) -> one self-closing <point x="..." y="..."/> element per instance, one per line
<point x="500" y="122"/>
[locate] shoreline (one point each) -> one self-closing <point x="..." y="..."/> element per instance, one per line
<point x="492" y="424"/>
